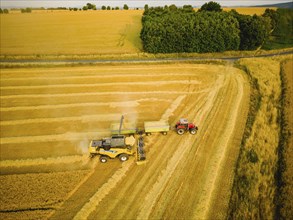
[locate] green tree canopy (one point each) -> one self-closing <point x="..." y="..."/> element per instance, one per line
<point x="172" y="30"/>
<point x="91" y="6"/>
<point x="254" y="30"/>
<point x="211" y="6"/>
<point x="178" y="31"/>
<point x="273" y="15"/>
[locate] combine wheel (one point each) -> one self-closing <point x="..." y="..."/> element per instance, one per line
<point x="123" y="157"/>
<point x="103" y="159"/>
<point x="180" y="131"/>
<point x="164" y="133"/>
<point x="193" y="131"/>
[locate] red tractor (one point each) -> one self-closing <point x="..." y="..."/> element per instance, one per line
<point x="182" y="125"/>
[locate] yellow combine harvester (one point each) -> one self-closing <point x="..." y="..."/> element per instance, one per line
<point x="118" y="145"/>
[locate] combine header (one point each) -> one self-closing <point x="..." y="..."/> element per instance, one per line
<point x="140" y="150"/>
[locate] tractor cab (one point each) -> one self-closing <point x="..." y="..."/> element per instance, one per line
<point x="183" y="121"/>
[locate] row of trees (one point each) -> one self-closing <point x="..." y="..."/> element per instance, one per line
<point x="125" y="7"/>
<point x="29" y="10"/>
<point x="4" y="11"/>
<point x="26" y="10"/>
<point x="86" y="7"/>
<point x="171" y="30"/>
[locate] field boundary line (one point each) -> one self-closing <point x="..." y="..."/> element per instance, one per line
<point x="43" y="161"/>
<point x="94" y="94"/>
<point x="131" y="103"/>
<point x="95" y="76"/>
<point x="50" y="138"/>
<point x="71" y="85"/>
<point x="82" y="118"/>
<point x="135" y="60"/>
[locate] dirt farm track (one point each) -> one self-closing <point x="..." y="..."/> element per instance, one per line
<point x="48" y="116"/>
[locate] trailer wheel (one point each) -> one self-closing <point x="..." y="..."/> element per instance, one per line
<point x="193" y="131"/>
<point x="180" y="131"/>
<point x="123" y="157"/>
<point x="103" y="159"/>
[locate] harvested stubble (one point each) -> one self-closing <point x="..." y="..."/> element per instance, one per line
<point x="56" y="108"/>
<point x="206" y="100"/>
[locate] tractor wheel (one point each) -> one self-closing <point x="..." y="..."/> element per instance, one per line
<point x="193" y="131"/>
<point x="123" y="157"/>
<point x="180" y="131"/>
<point x="103" y="159"/>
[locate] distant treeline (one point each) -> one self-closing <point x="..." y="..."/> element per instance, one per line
<point x="86" y="7"/>
<point x="4" y="11"/>
<point x="171" y="29"/>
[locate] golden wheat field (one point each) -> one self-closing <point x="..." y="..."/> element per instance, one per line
<point x="48" y="116"/>
<point x="249" y="10"/>
<point x="69" y="32"/>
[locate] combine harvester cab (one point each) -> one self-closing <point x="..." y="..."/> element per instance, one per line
<point x="156" y="127"/>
